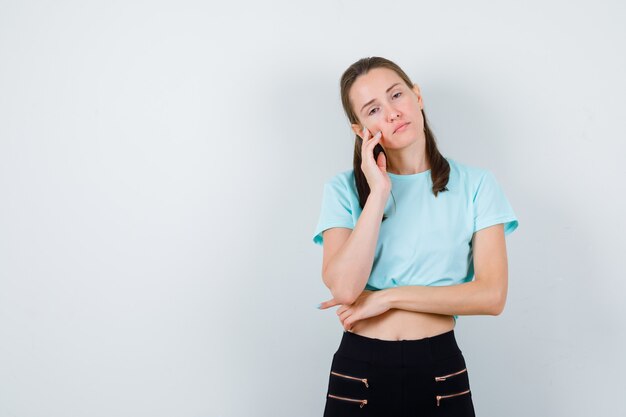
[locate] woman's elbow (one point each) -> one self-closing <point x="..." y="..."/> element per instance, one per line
<point x="344" y="296"/>
<point x="341" y="293"/>
<point x="498" y="301"/>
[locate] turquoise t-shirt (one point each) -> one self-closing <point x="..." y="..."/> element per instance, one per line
<point x="426" y="240"/>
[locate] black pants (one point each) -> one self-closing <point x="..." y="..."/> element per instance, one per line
<point x="398" y="378"/>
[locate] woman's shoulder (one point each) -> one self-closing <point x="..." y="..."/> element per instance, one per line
<point x="342" y="183"/>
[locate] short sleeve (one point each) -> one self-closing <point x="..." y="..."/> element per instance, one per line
<point x="491" y="206"/>
<point x="335" y="211"/>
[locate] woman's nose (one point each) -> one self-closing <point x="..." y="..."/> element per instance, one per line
<point x="393" y="115"/>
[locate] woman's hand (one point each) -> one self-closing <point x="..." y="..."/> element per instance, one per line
<point x="368" y="304"/>
<point x="375" y="171"/>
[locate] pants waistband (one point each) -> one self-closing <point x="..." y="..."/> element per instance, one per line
<point x="398" y="353"/>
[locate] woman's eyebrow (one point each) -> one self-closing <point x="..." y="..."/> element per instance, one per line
<point x="372" y="100"/>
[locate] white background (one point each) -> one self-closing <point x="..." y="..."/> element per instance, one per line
<point x="161" y="172"/>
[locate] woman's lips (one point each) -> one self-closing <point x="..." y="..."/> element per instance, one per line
<point x="402" y="128"/>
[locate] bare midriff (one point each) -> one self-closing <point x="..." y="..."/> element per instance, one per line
<point x="397" y="324"/>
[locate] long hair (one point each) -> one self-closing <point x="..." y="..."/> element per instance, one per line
<point x="440" y="168"/>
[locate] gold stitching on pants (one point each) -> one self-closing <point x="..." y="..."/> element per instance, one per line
<point x="439" y="397"/>
<point x="444" y="377"/>
<point x="364" y="380"/>
<point x="363" y="402"/>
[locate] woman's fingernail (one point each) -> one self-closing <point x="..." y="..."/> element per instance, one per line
<point x="319" y="305"/>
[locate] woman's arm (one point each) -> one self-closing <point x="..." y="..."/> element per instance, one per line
<point x="485" y="295"/>
<point x="348" y="263"/>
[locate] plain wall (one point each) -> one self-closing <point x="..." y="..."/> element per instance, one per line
<point x="161" y="173"/>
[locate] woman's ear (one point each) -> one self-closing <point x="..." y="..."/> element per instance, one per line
<point x="416" y="90"/>
<point x="358" y="130"/>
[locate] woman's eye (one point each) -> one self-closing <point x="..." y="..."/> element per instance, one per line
<point x="399" y="93"/>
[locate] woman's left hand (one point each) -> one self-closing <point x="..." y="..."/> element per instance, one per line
<point x="368" y="304"/>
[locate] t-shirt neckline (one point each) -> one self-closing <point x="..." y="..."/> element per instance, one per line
<point x="409" y="176"/>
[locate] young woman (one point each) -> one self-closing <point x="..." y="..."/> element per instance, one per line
<point x="411" y="240"/>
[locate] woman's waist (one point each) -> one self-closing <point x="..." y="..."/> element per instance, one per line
<point x="396" y="324"/>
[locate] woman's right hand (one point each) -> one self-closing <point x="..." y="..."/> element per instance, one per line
<point x="375" y="170"/>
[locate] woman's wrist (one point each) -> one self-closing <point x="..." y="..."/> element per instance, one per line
<point x="387" y="297"/>
<point x="381" y="195"/>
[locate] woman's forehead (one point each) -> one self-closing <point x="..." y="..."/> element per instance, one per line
<point x="374" y="84"/>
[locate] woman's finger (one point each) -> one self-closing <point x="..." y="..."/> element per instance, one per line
<point x="347" y="325"/>
<point x="343" y="323"/>
<point x="329" y="303"/>
<point x="369" y="146"/>
<point x="382" y="161"/>
<point x="345" y="314"/>
<point x="349" y="321"/>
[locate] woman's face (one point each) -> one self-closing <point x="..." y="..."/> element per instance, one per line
<point x="383" y="102"/>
